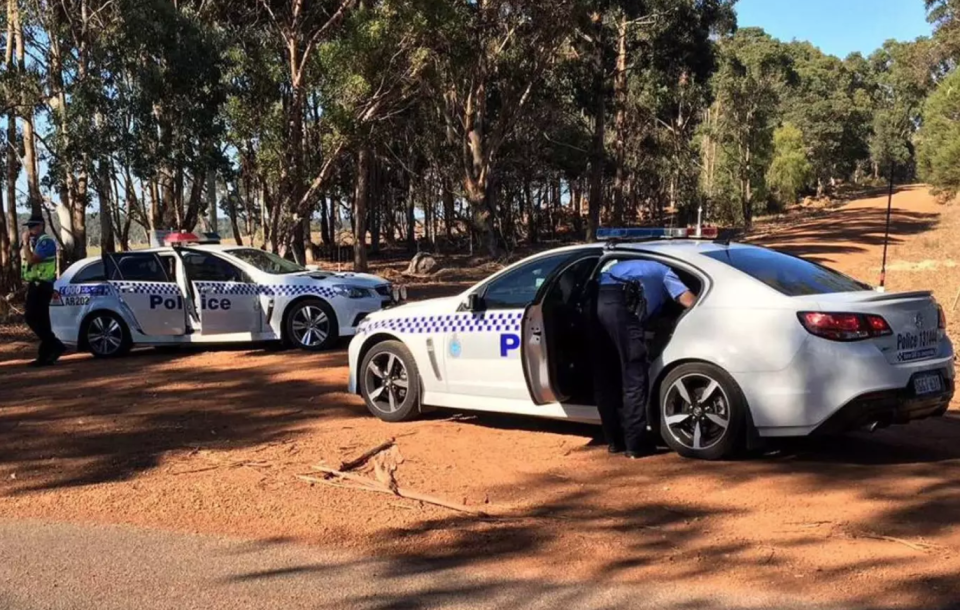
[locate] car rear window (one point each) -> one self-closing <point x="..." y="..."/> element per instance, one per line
<point x="90" y="274"/>
<point x="790" y="275"/>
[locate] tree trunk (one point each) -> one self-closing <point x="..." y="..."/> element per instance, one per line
<point x="334" y="225"/>
<point x="324" y="222"/>
<point x="596" y="174"/>
<point x="11" y="238"/>
<point x="449" y="213"/>
<point x="34" y="199"/>
<point x="360" y="201"/>
<point x="231" y="205"/>
<point x="597" y="150"/>
<point x="104" y="188"/>
<point x="211" y="192"/>
<point x="620" y="121"/>
<point x="411" y="220"/>
<point x="375" y="205"/>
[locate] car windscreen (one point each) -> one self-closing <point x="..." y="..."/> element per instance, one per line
<point x="787" y="274"/>
<point x="267" y="262"/>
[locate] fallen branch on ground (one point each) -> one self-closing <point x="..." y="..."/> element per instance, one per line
<point x="923" y="548"/>
<point x="368" y="484"/>
<point x="364" y="457"/>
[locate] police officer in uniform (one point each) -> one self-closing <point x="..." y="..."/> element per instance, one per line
<point x="39" y="271"/>
<point x="630" y="293"/>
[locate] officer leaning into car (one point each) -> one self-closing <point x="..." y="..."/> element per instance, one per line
<point x="39" y="271"/>
<point x="630" y="293"/>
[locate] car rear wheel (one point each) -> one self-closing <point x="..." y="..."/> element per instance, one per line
<point x="703" y="412"/>
<point x="106" y="336"/>
<point x="390" y="382"/>
<point x="312" y="325"/>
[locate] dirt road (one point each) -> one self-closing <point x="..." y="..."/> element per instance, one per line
<point x="210" y="442"/>
<point x="84" y="567"/>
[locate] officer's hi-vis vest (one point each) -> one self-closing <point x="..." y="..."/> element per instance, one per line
<point x="44" y="271"/>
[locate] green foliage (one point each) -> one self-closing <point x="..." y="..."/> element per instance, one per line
<point x="790" y="171"/>
<point x="939" y="140"/>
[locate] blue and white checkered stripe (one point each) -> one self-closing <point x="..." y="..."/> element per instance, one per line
<point x="224" y="288"/>
<point x="293" y="291"/>
<point x="150" y="287"/>
<point x="235" y="288"/>
<point x="505" y="322"/>
<point x="283" y="290"/>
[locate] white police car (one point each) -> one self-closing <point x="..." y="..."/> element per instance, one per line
<point x="775" y="346"/>
<point x="202" y="293"/>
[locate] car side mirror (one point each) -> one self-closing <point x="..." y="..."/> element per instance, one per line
<point x="474" y="302"/>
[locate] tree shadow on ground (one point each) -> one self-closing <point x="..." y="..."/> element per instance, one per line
<point x="109" y="420"/>
<point x="908" y="473"/>
<point x="850" y="230"/>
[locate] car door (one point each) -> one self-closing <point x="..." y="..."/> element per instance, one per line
<point x="482" y="351"/>
<point x="225" y="297"/>
<point x="554" y="342"/>
<point x="148" y="294"/>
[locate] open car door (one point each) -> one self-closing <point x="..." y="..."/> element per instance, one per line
<point x="555" y="348"/>
<point x="147" y="293"/>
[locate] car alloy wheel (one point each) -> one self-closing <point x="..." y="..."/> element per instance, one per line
<point x="105" y="336"/>
<point x="310" y="326"/>
<point x="386" y="382"/>
<point x="696" y="411"/>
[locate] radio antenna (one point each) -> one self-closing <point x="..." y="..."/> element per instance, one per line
<point x="886" y="232"/>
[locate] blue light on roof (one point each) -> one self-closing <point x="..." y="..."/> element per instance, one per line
<point x="639" y="232"/>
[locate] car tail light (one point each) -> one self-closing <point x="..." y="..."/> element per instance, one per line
<point x="844" y="326"/>
<point x="56" y="299"/>
<point x="942" y="318"/>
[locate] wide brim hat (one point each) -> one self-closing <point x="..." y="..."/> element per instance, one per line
<point x="34" y="220"/>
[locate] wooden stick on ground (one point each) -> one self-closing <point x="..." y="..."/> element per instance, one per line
<point x="362" y="459"/>
<point x="373" y="485"/>
<point x="923" y="548"/>
<point x="955" y="301"/>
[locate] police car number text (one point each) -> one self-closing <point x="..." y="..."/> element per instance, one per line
<point x="76" y="301"/>
<point x="916" y="346"/>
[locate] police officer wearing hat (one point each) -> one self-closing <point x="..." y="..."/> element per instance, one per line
<point x="39" y="271"/>
<point x="630" y="293"/>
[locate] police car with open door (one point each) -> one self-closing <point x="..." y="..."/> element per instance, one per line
<point x="191" y="292"/>
<point x="775" y="346"/>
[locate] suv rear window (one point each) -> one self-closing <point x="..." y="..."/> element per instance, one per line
<point x="787" y="274"/>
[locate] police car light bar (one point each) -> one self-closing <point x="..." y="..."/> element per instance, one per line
<point x="656" y="232"/>
<point x="180" y="238"/>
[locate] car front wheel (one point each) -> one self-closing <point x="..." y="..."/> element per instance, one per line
<point x="106" y="336"/>
<point x="703" y="412"/>
<point x="312" y="325"/>
<point x="390" y="382"/>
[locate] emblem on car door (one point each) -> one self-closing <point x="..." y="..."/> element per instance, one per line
<point x="918" y="320"/>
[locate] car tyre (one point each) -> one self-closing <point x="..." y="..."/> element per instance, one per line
<point x="105" y="335"/>
<point x="311" y="325"/>
<point x="703" y="412"/>
<point x="390" y="382"/>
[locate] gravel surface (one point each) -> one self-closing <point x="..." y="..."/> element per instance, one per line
<point x="211" y="442"/>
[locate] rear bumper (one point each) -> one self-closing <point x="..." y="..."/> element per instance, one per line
<point x="888" y="407"/>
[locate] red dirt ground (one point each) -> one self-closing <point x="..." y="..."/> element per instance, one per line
<point x="211" y="442"/>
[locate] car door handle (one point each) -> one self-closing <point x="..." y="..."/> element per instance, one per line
<point x="204" y="290"/>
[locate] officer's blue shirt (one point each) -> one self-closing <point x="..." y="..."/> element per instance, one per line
<point x="659" y="281"/>
<point x="45" y="249"/>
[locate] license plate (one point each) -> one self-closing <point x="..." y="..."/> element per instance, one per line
<point x="927" y="384"/>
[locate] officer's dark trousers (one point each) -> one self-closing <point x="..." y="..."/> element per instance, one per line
<point x="620" y="371"/>
<point x="38" y="316"/>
